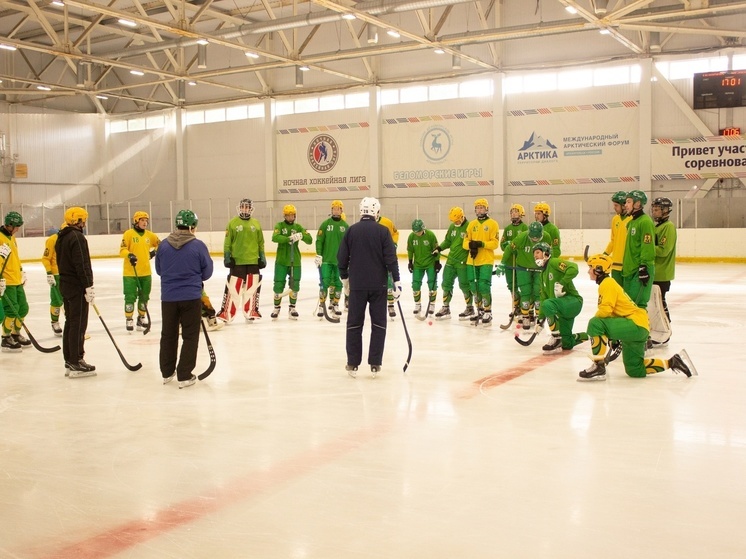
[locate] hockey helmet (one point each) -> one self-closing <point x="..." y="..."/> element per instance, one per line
<point x="638" y="196"/>
<point x="245" y="207"/>
<point x="13" y="219"/>
<point x="543" y="207"/>
<point x="140" y="215"/>
<point x="535" y="231"/>
<point x="338" y="204"/>
<point x="665" y="203"/>
<point x="75" y="215"/>
<point x="186" y="219"/>
<point x="519" y="209"/>
<point x="482" y="202"/>
<point x="370" y="206"/>
<point x="543" y="247"/>
<point x="289" y="209"/>
<point x="619" y="197"/>
<point x="418" y="225"/>
<point x="456" y="214"/>
<point x="600" y="263"/>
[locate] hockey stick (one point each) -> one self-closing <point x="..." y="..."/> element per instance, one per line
<point x="136" y="367"/>
<point x="139" y="297"/>
<point x="430" y="304"/>
<point x="211" y="366"/>
<point x="585" y="252"/>
<point x="290" y="283"/>
<point x="409" y="340"/>
<point x="30" y="337"/>
<point x="527" y="342"/>
<point x="476" y="292"/>
<point x="334" y="320"/>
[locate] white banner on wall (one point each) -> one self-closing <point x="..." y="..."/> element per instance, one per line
<point x="332" y="158"/>
<point x="450" y="150"/>
<point x="710" y="157"/>
<point x="580" y="144"/>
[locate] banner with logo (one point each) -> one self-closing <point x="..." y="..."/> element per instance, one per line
<point x="332" y="158"/>
<point x="581" y="144"/>
<point x="452" y="150"/>
<point x="711" y="157"/>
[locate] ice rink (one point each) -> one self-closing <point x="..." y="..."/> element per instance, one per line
<point x="483" y="449"/>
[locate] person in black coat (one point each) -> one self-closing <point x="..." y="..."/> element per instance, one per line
<point x="366" y="257"/>
<point x="76" y="287"/>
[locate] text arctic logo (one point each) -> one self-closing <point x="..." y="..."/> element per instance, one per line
<point x="537" y="148"/>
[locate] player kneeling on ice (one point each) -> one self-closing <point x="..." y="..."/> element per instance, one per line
<point x="560" y="301"/>
<point x="618" y="318"/>
<point x="420" y="246"/>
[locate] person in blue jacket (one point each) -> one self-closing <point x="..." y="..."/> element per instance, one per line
<point x="183" y="262"/>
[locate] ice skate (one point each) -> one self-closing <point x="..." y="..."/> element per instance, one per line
<point x="476" y="318"/>
<point x="292" y="313"/>
<point x="57" y="329"/>
<point x="351" y="370"/>
<point x="487" y="318"/>
<point x="129" y="324"/>
<point x="21" y="340"/>
<point x="188" y="382"/>
<point x="81" y="369"/>
<point x="9" y="345"/>
<point x="417" y="308"/>
<point x="596" y="371"/>
<point x="444" y="313"/>
<point x="275" y="313"/>
<point x="141" y="324"/>
<point x="334" y="308"/>
<point x="682" y="363"/>
<point x="467" y="314"/>
<point x="374" y="370"/>
<point x="212" y="323"/>
<point x="553" y="346"/>
<point x="320" y="309"/>
<point x="525" y="322"/>
<point x="255" y="314"/>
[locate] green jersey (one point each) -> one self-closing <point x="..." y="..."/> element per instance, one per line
<point x="640" y="247"/>
<point x="554" y="236"/>
<point x="281" y="236"/>
<point x="244" y="240"/>
<point x="420" y="249"/>
<point x="329" y="237"/>
<point x="523" y="250"/>
<point x="453" y="243"/>
<point x="665" y="251"/>
<point x="510" y="233"/>
<point x="562" y="272"/>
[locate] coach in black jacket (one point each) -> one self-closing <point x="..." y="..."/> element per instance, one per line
<point x="366" y="257"/>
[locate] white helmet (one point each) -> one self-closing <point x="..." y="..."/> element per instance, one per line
<point x="370" y="206"/>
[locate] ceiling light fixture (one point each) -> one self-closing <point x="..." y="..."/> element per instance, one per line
<point x="571" y="9"/>
<point x="303" y="68"/>
<point x="137" y="73"/>
<point x="393" y="33"/>
<point x="203" y="42"/>
<point x="251" y="54"/>
<point x="58" y="3"/>
<point x="192" y="83"/>
<point x="7" y="47"/>
<point x="438" y="51"/>
<point x="127" y="22"/>
<point x="104" y="97"/>
<point x="43" y="88"/>
<point x="349" y="16"/>
<point x="605" y="32"/>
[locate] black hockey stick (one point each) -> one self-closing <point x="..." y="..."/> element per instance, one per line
<point x="409" y="340"/>
<point x="136" y="367"/>
<point x="429" y="309"/>
<point x="526" y="342"/>
<point x="289" y="290"/>
<point x="139" y="298"/>
<point x="322" y="302"/>
<point x="585" y="252"/>
<point x="211" y="366"/>
<point x="30" y="337"/>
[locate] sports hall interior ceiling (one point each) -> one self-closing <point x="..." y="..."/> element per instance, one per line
<point x="79" y="55"/>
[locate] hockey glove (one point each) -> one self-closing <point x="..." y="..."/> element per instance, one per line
<point x="410" y="267"/>
<point x="227" y="260"/>
<point x="539" y="326"/>
<point x="436" y="251"/>
<point x="397" y="290"/>
<point x="475" y="245"/>
<point x="133" y="258"/>
<point x="262" y="261"/>
<point x="499" y="270"/>
<point x="296" y="237"/>
<point x="4" y="251"/>
<point x="318" y="260"/>
<point x="643" y="275"/>
<point x="90" y="295"/>
<point x="152" y="254"/>
<point x="559" y="291"/>
<point x="438" y="266"/>
<point x="346" y="286"/>
<point x="51" y="281"/>
<point x="473" y="253"/>
<point x="2" y="286"/>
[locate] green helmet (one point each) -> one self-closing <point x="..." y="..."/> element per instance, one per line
<point x="186" y="219"/>
<point x="638" y="196"/>
<point x="418" y="225"/>
<point x="535" y="230"/>
<point x="13" y="219"/>
<point x="619" y="197"/>
<point x="543" y="247"/>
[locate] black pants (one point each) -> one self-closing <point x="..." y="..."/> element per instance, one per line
<point x="188" y="314"/>
<point x="76" y="323"/>
<point x="376" y="303"/>
<point x="665" y="287"/>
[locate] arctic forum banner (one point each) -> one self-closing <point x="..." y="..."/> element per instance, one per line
<point x="448" y="150"/>
<point x="330" y="158"/>
<point x="580" y="144"/>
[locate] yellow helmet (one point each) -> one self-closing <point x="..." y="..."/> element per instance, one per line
<point x="542" y="207"/>
<point x="140" y="215"/>
<point x="289" y="209"/>
<point x="75" y="215"/>
<point x="600" y="263"/>
<point x="456" y="214"/>
<point x="482" y="202"/>
<point x="337" y="204"/>
<point x="521" y="211"/>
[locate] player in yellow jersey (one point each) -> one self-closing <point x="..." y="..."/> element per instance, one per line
<point x="49" y="261"/>
<point x="15" y="305"/>
<point x="137" y="248"/>
<point x="388" y="224"/>
<point x="618" y="239"/>
<point x="481" y="240"/>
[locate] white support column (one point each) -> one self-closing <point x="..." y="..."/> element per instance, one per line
<point x="270" y="153"/>
<point x="499" y="124"/>
<point x="374" y="139"/>
<point x="645" y="133"/>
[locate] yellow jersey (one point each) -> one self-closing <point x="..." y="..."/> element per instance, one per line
<point x="139" y="244"/>
<point x="613" y="301"/>
<point x="487" y="231"/>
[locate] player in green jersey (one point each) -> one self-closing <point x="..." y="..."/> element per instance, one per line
<point x="328" y="238"/>
<point x="541" y="214"/>
<point x="638" y="266"/>
<point x="665" y="248"/>
<point x="420" y="246"/>
<point x="511" y="231"/>
<point x="455" y="265"/>
<point x="287" y="234"/>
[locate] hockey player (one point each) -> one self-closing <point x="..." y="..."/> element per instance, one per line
<point x="455" y="265"/>
<point x="560" y="301"/>
<point x="541" y="214"/>
<point x="328" y="238"/>
<point x="638" y="266"/>
<point x="137" y="248"/>
<point x="287" y="234"/>
<point x="618" y="318"/>
<point x="367" y="259"/>
<point x="511" y="231"/>
<point x="15" y="304"/>
<point x="388" y="224"/>
<point x="665" y="248"/>
<point x="420" y="246"/>
<point x="76" y="286"/>
<point x="527" y="279"/>
<point x="618" y="239"/>
<point x="49" y="261"/>
<point x="481" y="240"/>
<point x="243" y="255"/>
